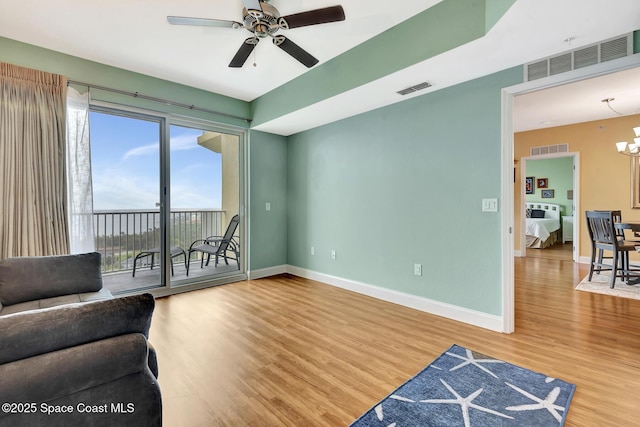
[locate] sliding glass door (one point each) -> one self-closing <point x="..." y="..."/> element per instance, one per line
<point x="205" y="198"/>
<point x="167" y="200"/>
<point x="125" y="170"/>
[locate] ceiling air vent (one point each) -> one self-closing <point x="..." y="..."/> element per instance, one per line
<point x="613" y="49"/>
<point x="608" y="50"/>
<point x="585" y="57"/>
<point x="549" y="149"/>
<point x="560" y="64"/>
<point x="415" y="88"/>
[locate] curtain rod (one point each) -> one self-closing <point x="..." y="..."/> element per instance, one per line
<point x="151" y="98"/>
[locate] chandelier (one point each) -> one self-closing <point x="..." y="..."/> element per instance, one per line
<point x="630" y="149"/>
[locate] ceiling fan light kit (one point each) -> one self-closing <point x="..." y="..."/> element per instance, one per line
<point x="263" y="20"/>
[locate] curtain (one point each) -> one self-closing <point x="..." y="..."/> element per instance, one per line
<point x="79" y="187"/>
<point x="33" y="213"/>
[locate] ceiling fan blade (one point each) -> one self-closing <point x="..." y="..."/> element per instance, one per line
<point x="312" y="17"/>
<point x="202" y="22"/>
<point x="296" y="51"/>
<point x="243" y="53"/>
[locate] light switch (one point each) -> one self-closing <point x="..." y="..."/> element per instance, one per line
<point x="489" y="205"/>
<point x="267" y="206"/>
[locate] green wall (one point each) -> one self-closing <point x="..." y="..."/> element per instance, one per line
<point x="268" y="184"/>
<point x="85" y="71"/>
<point x="385" y="189"/>
<point x="403" y="185"/>
<point x="559" y="173"/>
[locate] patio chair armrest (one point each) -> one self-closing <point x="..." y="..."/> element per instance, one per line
<point x="214" y="239"/>
<point x="195" y="243"/>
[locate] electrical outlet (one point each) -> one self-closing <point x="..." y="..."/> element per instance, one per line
<point x="313" y="250"/>
<point x="333" y="254"/>
<point x="417" y="269"/>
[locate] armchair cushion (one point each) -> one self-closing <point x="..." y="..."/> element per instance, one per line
<point x="30" y="333"/>
<point x="33" y="278"/>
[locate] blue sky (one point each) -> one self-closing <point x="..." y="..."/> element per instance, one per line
<point x="125" y="166"/>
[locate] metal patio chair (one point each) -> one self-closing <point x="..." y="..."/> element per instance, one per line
<point x="218" y="246"/>
<point x="176" y="251"/>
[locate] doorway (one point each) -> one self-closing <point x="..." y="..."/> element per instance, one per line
<point x="560" y="174"/>
<point x="507" y="161"/>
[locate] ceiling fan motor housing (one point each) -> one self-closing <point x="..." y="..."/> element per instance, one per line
<point x="262" y="23"/>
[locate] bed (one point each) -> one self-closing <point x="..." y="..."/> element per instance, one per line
<point x="543" y="232"/>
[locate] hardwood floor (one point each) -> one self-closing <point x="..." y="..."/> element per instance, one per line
<point x="286" y="351"/>
<point x="560" y="251"/>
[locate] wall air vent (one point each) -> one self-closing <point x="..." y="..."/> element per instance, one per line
<point x="608" y="50"/>
<point x="415" y="88"/>
<point x="549" y="149"/>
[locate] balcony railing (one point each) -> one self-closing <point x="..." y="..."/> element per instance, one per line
<point x="122" y="234"/>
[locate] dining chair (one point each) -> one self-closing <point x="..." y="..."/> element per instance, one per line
<point x="604" y="237"/>
<point x="620" y="233"/>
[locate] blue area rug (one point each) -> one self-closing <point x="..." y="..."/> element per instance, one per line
<point x="465" y="388"/>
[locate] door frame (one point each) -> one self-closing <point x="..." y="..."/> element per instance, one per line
<point x="575" y="205"/>
<point x="507" y="185"/>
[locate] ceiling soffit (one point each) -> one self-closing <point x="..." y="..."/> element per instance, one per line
<point x="441" y="28"/>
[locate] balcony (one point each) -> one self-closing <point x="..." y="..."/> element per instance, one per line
<point x="120" y="235"/>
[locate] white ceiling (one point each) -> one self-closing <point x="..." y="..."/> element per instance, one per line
<point x="135" y="35"/>
<point x="579" y="102"/>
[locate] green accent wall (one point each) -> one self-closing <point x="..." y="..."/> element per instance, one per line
<point x="559" y="172"/>
<point x="78" y="69"/>
<point x="443" y="27"/>
<point x="268" y="184"/>
<point x="495" y="10"/>
<point x="403" y="185"/>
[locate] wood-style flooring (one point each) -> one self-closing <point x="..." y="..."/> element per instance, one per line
<point x="559" y="251"/>
<point x="286" y="351"/>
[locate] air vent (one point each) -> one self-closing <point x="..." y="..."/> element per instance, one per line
<point x="585" y="57"/>
<point x="415" y="88"/>
<point x="560" y="64"/>
<point x="613" y="49"/>
<point x="549" y="149"/>
<point x="618" y="47"/>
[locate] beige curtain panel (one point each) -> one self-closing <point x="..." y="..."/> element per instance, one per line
<point x="33" y="214"/>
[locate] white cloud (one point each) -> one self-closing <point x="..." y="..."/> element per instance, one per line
<point x="178" y="143"/>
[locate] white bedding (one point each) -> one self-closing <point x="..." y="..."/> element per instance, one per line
<point x="542" y="227"/>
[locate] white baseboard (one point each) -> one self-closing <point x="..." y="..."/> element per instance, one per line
<point x="460" y="314"/>
<point x="584" y="260"/>
<point x="266" y="272"/>
<point x="517" y="254"/>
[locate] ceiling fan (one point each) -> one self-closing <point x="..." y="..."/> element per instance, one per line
<point x="263" y="20"/>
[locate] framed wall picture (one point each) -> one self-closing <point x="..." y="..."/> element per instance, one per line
<point x="529" y="185"/>
<point x="547" y="194"/>
<point x="543" y="182"/>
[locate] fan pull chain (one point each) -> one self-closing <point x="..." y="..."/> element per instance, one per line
<point x="254" y="58"/>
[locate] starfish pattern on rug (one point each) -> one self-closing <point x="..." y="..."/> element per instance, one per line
<point x="444" y="393"/>
<point x="547" y="403"/>
<point x="380" y="415"/>
<point x="465" y="403"/>
<point x="470" y="360"/>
